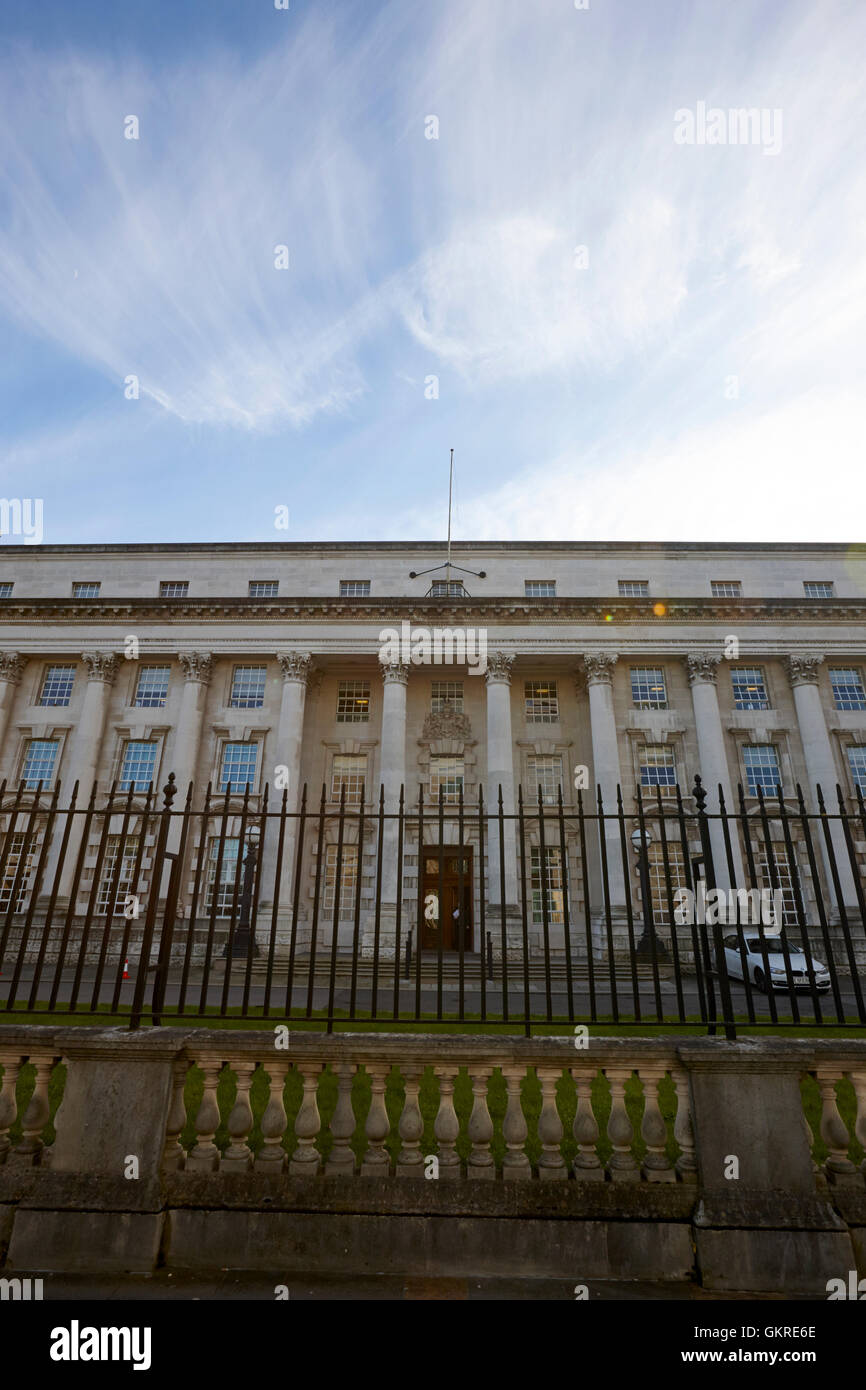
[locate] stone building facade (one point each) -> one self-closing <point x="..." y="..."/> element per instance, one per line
<point x="604" y="665"/>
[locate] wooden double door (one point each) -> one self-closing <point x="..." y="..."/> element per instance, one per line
<point x="443" y="921"/>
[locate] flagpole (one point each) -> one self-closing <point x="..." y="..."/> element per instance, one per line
<point x="450" y="484"/>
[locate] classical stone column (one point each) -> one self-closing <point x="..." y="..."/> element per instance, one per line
<point x="500" y="773"/>
<point x="296" y="668"/>
<point x="702" y="669"/>
<point x="395" y="678"/>
<point x="83" y="763"/>
<point x="183" y="759"/>
<point x="11" y="666"/>
<point x="599" y="668"/>
<point x="820" y="766"/>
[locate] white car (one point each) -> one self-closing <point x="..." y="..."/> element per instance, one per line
<point x="779" y="978"/>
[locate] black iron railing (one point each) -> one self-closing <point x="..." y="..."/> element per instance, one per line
<point x="660" y="913"/>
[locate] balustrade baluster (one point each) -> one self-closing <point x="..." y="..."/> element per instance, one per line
<point x="515" y="1164"/>
<point x="173" y="1156"/>
<point x="834" y="1132"/>
<point x="238" y="1157"/>
<point x="11" y="1064"/>
<point x="858" y="1081"/>
<point x="28" y="1152"/>
<point x="410" y="1161"/>
<point x="305" y="1161"/>
<point x="686" y="1165"/>
<point x="622" y="1165"/>
<point x="377" y="1163"/>
<point x="446" y="1126"/>
<point x="657" y="1167"/>
<point x="341" y="1160"/>
<point x="271" y="1157"/>
<point x="480" y="1163"/>
<point x="551" y="1165"/>
<point x="204" y="1157"/>
<point x="587" y="1164"/>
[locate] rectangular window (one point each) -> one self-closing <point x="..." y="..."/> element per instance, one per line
<point x="139" y="761"/>
<point x="541" y="702"/>
<point x="540" y="588"/>
<point x="761" y="761"/>
<point x="248" y="687"/>
<point x="223" y="890"/>
<point x="633" y="588"/>
<point x="818" y="588"/>
<point x="348" y="879"/>
<point x="39" y="758"/>
<point x="555" y="884"/>
<point x="109" y="868"/>
<point x="658" y="767"/>
<point x="726" y="588"/>
<point x="446" y="773"/>
<point x="85" y="588"/>
<point x="13" y="859"/>
<point x="264" y="588"/>
<point x="787" y="876"/>
<point x="5" y="589"/>
<point x="857" y="764"/>
<point x="238" y="767"/>
<point x="57" y="685"/>
<point x="353" y="702"/>
<point x="350" y="771"/>
<point x="657" y="883"/>
<point x="648" y="687"/>
<point x="447" y="588"/>
<point x="174" y="588"/>
<point x="749" y="687"/>
<point x="545" y="775"/>
<point x="847" y="686"/>
<point x="152" y="689"/>
<point x="354" y="588"/>
<point x="446" y="693"/>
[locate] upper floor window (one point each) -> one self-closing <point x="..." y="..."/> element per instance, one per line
<point x="174" y="588"/>
<point x="541" y="702"/>
<point x="57" y="685"/>
<point x="5" y="588"/>
<point x="540" y="588"/>
<point x="137" y="768"/>
<point x="354" y="588"/>
<point x="349" y="771"/>
<point x="248" y="687"/>
<point x="726" y="588"/>
<point x="85" y="588"/>
<point x="750" y="688"/>
<point x="633" y="588"/>
<point x="761" y="761"/>
<point x="857" y="764"/>
<point x="264" y="588"/>
<point x="648" y="687"/>
<point x="546" y="777"/>
<point x="238" y="768"/>
<point x="446" y="693"/>
<point x="353" y="702"/>
<point x="40" y="755"/>
<point x="818" y="588"/>
<point x="447" y="588"/>
<point x="847" y="685"/>
<point x="658" y="767"/>
<point x="152" y="689"/>
<point x="446" y="775"/>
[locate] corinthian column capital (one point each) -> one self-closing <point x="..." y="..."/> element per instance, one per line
<point x="599" y="667"/>
<point x="197" y="666"/>
<point x="803" y="668"/>
<point x="499" y="666"/>
<point x="395" y="672"/>
<point x="296" y="666"/>
<point x="101" y="666"/>
<point x="11" y="666"/>
<point x="702" y="667"/>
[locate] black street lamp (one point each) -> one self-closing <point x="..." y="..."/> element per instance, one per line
<point x="650" y="945"/>
<point x="244" y="936"/>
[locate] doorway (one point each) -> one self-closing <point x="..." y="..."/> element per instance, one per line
<point x="446" y="920"/>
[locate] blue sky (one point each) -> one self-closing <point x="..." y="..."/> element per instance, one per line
<point x="696" y="373"/>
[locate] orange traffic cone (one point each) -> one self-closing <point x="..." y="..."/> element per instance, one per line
<point x="126" y="969"/>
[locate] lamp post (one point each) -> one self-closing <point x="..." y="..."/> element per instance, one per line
<point x="243" y="936"/>
<point x="650" y="946"/>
